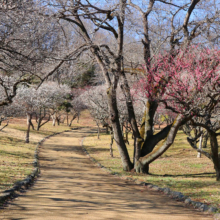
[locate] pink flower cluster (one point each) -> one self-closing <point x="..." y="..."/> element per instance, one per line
<point x="182" y="82"/>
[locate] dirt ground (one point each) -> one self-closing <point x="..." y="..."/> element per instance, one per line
<point x="72" y="187"/>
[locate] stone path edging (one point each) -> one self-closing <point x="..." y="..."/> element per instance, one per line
<point x="178" y="196"/>
<point x="26" y="183"/>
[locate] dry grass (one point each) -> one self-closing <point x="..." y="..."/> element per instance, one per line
<point x="16" y="156"/>
<point x="179" y="168"/>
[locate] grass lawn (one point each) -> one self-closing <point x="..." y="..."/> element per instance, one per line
<point x="179" y="168"/>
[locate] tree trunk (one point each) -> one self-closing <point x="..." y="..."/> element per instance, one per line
<point x="38" y="123"/>
<point x="78" y="117"/>
<point x="146" y="40"/>
<point x="54" y="122"/>
<point x="217" y="174"/>
<point x="29" y="117"/>
<point x="54" y="119"/>
<point x="67" y="119"/>
<point x="112" y="140"/>
<point x="151" y="142"/>
<point x="146" y="131"/>
<point x="215" y="156"/>
<point x="32" y="125"/>
<point x="147" y="124"/>
<point x="98" y="130"/>
<point x="4" y="126"/>
<point x="126" y="134"/>
<point x="58" y="120"/>
<point x="205" y="140"/>
<point x="111" y="84"/>
<point x="200" y="146"/>
<point x="126" y="163"/>
<point x="73" y="118"/>
<point x="40" y="119"/>
<point x="138" y="140"/>
<point x="144" y="161"/>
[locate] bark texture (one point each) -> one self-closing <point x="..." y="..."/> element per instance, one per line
<point x="143" y="161"/>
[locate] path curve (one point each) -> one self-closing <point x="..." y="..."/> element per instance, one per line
<point x="72" y="187"/>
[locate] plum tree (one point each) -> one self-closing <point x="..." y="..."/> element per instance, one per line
<point x="114" y="22"/>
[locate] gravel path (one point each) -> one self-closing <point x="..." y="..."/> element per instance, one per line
<point x="72" y="187"/>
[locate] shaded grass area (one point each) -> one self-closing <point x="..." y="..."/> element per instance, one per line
<point x="178" y="168"/>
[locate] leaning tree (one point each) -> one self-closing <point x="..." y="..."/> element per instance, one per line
<point x="188" y="85"/>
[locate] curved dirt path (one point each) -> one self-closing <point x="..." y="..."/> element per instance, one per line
<point x="72" y="187"/>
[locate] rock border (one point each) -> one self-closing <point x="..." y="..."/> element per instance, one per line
<point x="178" y="196"/>
<point x="29" y="180"/>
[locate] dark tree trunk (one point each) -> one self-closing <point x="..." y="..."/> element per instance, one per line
<point x="67" y="119"/>
<point x="132" y="119"/>
<point x="78" y="117"/>
<point x="29" y="117"/>
<point x="73" y="118"/>
<point x="32" y="126"/>
<point x="215" y="156"/>
<point x="42" y="116"/>
<point x="217" y="174"/>
<point x="39" y="123"/>
<point x="98" y="130"/>
<point x="146" y="131"/>
<point x="146" y="160"/>
<point x="151" y="142"/>
<point x="111" y="94"/>
<point x="111" y="143"/>
<point x="58" y="120"/>
<point x="4" y="126"/>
